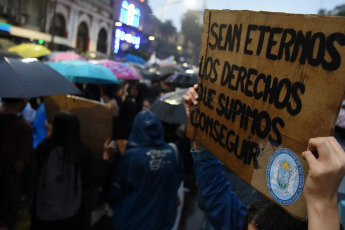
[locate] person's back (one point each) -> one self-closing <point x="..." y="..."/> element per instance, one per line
<point x="123" y="123"/>
<point x="15" y="153"/>
<point x="66" y="166"/>
<point x="147" y="178"/>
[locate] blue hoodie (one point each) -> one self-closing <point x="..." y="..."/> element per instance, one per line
<point x="224" y="210"/>
<point x="146" y="179"/>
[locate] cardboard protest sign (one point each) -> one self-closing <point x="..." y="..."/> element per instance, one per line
<point x="267" y="83"/>
<point x="96" y="119"/>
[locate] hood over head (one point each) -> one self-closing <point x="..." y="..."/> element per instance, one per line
<point x="147" y="131"/>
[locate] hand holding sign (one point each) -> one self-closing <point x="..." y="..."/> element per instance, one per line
<point x="324" y="177"/>
<point x="323" y="180"/>
<point x="266" y="83"/>
<point x="191" y="98"/>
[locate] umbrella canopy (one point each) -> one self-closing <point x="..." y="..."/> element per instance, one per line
<point x="6" y="43"/>
<point x="120" y="69"/>
<point x="95" y="55"/>
<point x="170" y="107"/>
<point x="27" y="78"/>
<point x="134" y="59"/>
<point x="66" y="56"/>
<point x="150" y="74"/>
<point x="166" y="69"/>
<point x="160" y="72"/>
<point x="184" y="79"/>
<point x="30" y="50"/>
<point x="5" y="53"/>
<point x="84" y="72"/>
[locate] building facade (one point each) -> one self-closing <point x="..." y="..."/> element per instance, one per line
<point x="86" y="25"/>
<point x="134" y="24"/>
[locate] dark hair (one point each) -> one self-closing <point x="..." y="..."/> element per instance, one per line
<point x="265" y="214"/>
<point x="92" y="92"/>
<point x="109" y="90"/>
<point x="66" y="133"/>
<point x="151" y="100"/>
<point x="12" y="100"/>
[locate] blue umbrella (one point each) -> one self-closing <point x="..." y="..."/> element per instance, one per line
<point x="134" y="58"/>
<point x="84" y="72"/>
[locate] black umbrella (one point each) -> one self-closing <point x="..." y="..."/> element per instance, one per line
<point x="170" y="107"/>
<point x="150" y="74"/>
<point x="183" y="79"/>
<point x="27" y="78"/>
<point x="164" y="70"/>
<point x="160" y="73"/>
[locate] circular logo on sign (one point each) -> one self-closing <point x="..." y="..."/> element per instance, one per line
<point x="284" y="176"/>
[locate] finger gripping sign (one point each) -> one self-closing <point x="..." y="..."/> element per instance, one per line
<point x="267" y="83"/>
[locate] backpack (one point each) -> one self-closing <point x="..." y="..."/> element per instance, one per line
<point x="59" y="188"/>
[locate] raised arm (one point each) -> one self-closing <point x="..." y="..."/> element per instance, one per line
<point x="222" y="206"/>
<point x="326" y="160"/>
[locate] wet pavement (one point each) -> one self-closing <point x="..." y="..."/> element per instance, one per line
<point x="192" y="217"/>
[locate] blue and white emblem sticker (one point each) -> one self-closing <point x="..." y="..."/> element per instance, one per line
<point x="284" y="176"/>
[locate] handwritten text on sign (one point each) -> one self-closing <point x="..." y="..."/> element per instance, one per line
<point x="266" y="81"/>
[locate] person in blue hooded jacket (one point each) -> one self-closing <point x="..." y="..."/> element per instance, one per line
<point x="226" y="211"/>
<point x="146" y="179"/>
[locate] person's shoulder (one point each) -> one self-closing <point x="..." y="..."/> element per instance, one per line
<point x="133" y="151"/>
<point x="136" y="153"/>
<point x="12" y="121"/>
<point x="20" y="123"/>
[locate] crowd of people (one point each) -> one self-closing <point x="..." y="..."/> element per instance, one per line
<point x="55" y="175"/>
<point x="48" y="167"/>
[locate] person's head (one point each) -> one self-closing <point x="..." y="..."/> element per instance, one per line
<point x="142" y="90"/>
<point x="14" y="104"/>
<point x="66" y="130"/>
<point x="147" y="102"/>
<point x="92" y="92"/>
<point x="128" y="110"/>
<point x="264" y="214"/>
<point x="109" y="91"/>
<point x="133" y="90"/>
<point x="119" y="90"/>
<point x="146" y="131"/>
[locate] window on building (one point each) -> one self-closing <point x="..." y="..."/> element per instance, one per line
<point x="58" y="26"/>
<point x="82" y="37"/>
<point x="102" y="41"/>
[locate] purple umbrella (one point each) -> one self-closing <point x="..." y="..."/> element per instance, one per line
<point x="120" y="69"/>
